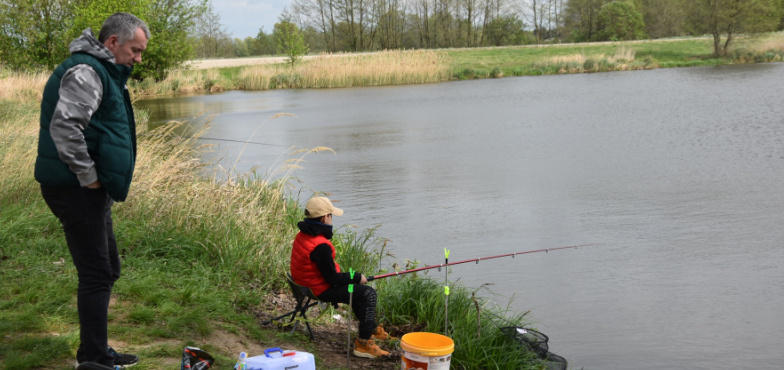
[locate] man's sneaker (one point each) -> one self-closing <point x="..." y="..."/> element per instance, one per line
<point x="367" y="348"/>
<point x="381" y="334"/>
<point x="123" y="359"/>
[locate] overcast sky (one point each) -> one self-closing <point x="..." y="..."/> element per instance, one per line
<point x="243" y="18"/>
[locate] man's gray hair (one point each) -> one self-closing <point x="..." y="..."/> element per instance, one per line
<point x="123" y="25"/>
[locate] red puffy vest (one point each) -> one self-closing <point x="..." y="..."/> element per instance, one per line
<point x="303" y="270"/>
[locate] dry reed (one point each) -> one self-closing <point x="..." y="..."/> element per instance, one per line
<point x="227" y="211"/>
<point x="20" y="96"/>
<point x="328" y="70"/>
<point x="775" y="42"/>
<point x="22" y="87"/>
<point x="382" y="68"/>
<point x="622" y="55"/>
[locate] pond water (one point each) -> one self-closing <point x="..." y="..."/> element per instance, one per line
<point x="679" y="173"/>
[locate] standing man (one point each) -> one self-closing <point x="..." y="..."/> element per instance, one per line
<point x="86" y="158"/>
<point x="313" y="265"/>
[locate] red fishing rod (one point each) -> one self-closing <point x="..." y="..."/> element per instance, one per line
<point x="474" y="260"/>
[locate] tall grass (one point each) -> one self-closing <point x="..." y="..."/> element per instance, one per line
<point x="623" y="59"/>
<point x="473" y="322"/>
<point x="760" y="50"/>
<point x="241" y="223"/>
<point x="19" y="115"/>
<point x="382" y="68"/>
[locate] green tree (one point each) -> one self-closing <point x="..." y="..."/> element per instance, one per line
<point x="729" y="17"/>
<point x="169" y="22"/>
<point x="289" y="40"/>
<point x="620" y="21"/>
<point x="581" y="19"/>
<point x="34" y="33"/>
<point x="663" y="18"/>
<point x="505" y="30"/>
<point x="262" y="44"/>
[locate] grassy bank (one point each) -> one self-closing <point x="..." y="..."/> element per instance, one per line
<point x="202" y="260"/>
<point x="423" y="66"/>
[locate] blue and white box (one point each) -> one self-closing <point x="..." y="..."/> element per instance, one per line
<point x="277" y="359"/>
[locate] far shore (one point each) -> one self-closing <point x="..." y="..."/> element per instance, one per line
<point x="249" y="61"/>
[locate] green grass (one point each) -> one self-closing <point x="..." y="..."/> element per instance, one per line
<point x="533" y="60"/>
<point x="647" y="54"/>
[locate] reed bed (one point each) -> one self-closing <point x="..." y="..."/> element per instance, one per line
<point x="622" y="59"/>
<point x="383" y="68"/>
<point x="330" y="71"/>
<point x="181" y="82"/>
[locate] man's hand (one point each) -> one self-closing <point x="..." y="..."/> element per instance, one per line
<point x="95" y="185"/>
<point x="362" y="280"/>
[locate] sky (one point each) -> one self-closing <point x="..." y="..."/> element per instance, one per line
<point x="243" y="18"/>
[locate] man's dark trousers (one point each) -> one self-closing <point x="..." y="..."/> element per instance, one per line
<point x="86" y="217"/>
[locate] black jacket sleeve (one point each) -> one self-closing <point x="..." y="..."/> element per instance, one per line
<point x="322" y="257"/>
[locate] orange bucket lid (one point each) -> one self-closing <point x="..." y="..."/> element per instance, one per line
<point x="427" y="344"/>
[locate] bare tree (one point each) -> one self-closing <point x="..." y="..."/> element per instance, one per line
<point x="212" y="38"/>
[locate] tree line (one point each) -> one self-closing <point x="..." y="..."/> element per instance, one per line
<point x="369" y="25"/>
<point x="36" y="33"/>
<point x="358" y="25"/>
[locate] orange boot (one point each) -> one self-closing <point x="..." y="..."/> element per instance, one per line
<point x="367" y="348"/>
<point x="381" y="334"/>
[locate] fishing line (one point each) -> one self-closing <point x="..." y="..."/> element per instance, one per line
<point x="216" y="139"/>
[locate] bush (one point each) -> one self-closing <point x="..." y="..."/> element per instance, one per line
<point x="589" y="65"/>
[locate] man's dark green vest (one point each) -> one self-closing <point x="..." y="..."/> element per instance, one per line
<point x="110" y="136"/>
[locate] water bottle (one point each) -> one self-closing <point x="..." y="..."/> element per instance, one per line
<point x="241" y="362"/>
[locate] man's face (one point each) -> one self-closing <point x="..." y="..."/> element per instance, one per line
<point x="130" y="52"/>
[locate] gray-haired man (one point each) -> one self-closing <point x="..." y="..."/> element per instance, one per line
<point x="86" y="158"/>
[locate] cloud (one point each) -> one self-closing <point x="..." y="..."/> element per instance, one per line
<point x="244" y="18"/>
